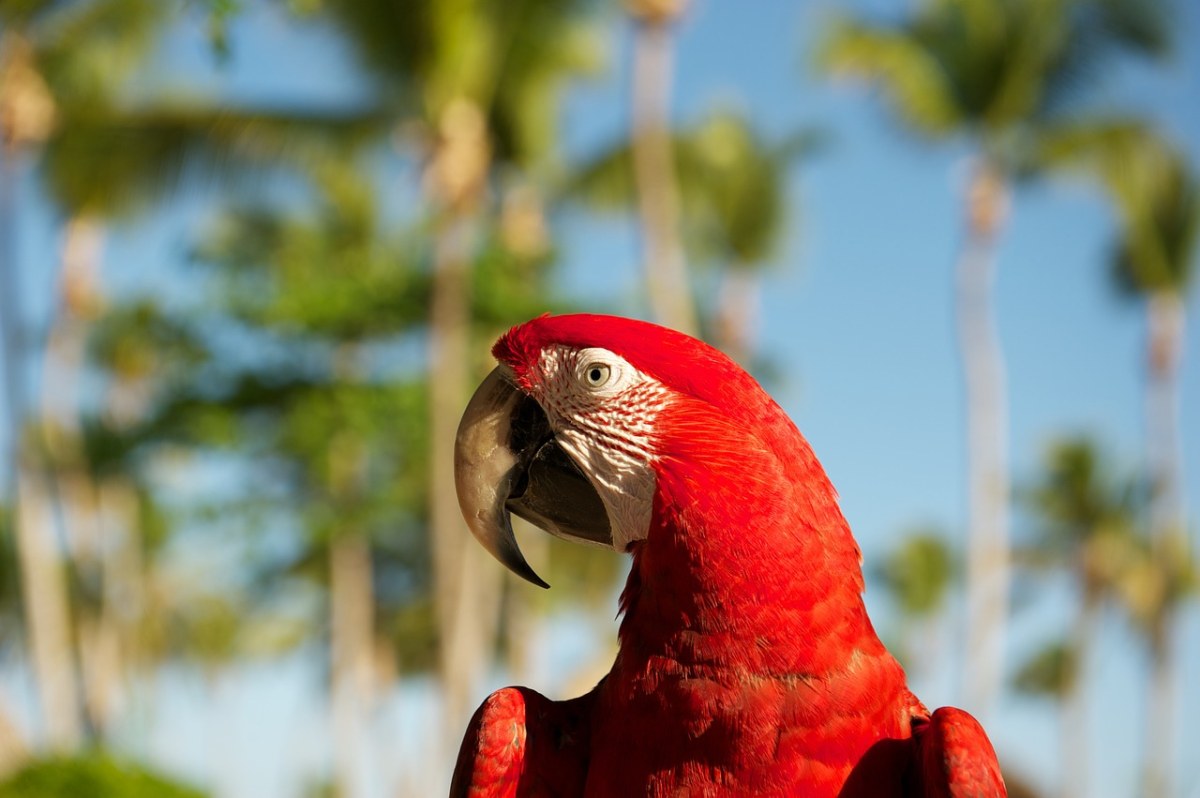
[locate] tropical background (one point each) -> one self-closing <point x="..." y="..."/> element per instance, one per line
<point x="253" y="254"/>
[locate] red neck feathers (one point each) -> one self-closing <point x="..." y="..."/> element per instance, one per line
<point x="749" y="562"/>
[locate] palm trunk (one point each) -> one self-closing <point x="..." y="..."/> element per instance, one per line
<point x="87" y="536"/>
<point x="1162" y="697"/>
<point x="47" y="613"/>
<point x="10" y="287"/>
<point x="988" y="555"/>
<point x="351" y="606"/>
<point x="125" y="604"/>
<point x="43" y="583"/>
<point x="13" y="750"/>
<point x="654" y="174"/>
<point x="352" y="643"/>
<point x="737" y="309"/>
<point x="1074" y="717"/>
<point x="1166" y="321"/>
<point x="466" y="584"/>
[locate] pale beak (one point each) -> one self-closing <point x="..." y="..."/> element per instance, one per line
<point x="506" y="460"/>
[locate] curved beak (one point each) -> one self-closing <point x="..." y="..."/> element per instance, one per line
<point x="506" y="460"/>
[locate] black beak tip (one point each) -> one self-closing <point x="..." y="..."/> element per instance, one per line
<point x="537" y="580"/>
<point x="514" y="560"/>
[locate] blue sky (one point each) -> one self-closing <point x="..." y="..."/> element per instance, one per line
<point x="857" y="320"/>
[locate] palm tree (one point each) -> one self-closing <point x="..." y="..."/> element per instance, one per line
<point x="918" y="574"/>
<point x="996" y="73"/>
<point x="655" y="174"/>
<point x="314" y="425"/>
<point x="52" y="55"/>
<point x="338" y="453"/>
<point x="738" y="208"/>
<point x="101" y="161"/>
<point x="1156" y="194"/>
<point x="1157" y="260"/>
<point x="1086" y="526"/>
<point x="734" y="201"/>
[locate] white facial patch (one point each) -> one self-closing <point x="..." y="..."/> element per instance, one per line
<point x="603" y="412"/>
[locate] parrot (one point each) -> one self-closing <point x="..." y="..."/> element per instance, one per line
<point x="746" y="663"/>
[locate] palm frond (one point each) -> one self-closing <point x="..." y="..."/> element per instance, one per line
<point x="19" y="13"/>
<point x="732" y="184"/>
<point x="508" y="58"/>
<point x="919" y="572"/>
<point x="111" y="161"/>
<point x="1155" y="191"/>
<point x="905" y="70"/>
<point x="1051" y="671"/>
<point x="996" y="69"/>
<point x="87" y="50"/>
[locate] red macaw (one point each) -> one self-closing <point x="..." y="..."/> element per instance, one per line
<point x="747" y="663"/>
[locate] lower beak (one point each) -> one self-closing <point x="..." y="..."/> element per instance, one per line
<point x="506" y="460"/>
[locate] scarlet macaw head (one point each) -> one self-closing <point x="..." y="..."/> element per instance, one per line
<point x="592" y="424"/>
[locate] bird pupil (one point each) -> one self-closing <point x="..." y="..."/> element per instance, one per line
<point x="595" y="375"/>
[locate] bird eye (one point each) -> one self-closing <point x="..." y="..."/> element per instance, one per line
<point x="596" y="375"/>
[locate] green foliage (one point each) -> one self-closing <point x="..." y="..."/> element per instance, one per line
<point x="300" y="358"/>
<point x="10" y="592"/>
<point x="1085" y="517"/>
<point x="1157" y="577"/>
<point x="220" y="14"/>
<point x="740" y="187"/>
<point x="1154" y="189"/>
<point x="912" y="77"/>
<point x="918" y="574"/>
<point x="732" y="184"/>
<point x="94" y="775"/>
<point x="1077" y="496"/>
<point x="509" y="59"/>
<point x="995" y="69"/>
<point x="330" y="277"/>
<point x="85" y="51"/>
<point x="111" y="160"/>
<point x="1052" y="671"/>
<point x="509" y="288"/>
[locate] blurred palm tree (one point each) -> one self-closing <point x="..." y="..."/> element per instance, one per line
<point x="918" y="574"/>
<point x="735" y="207"/>
<point x="477" y="82"/>
<point x="99" y="157"/>
<point x="1156" y="194"/>
<point x="483" y="95"/>
<point x="737" y="183"/>
<point x="52" y="55"/>
<point x="997" y="73"/>
<point x="654" y="165"/>
<point x="1085" y="526"/>
<point x="104" y="164"/>
<point x="274" y="370"/>
<point x="294" y="364"/>
<point x="102" y="157"/>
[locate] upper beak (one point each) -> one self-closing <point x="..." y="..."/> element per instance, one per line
<point x="507" y="460"/>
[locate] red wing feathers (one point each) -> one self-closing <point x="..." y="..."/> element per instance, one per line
<point x="956" y="758"/>
<point x="521" y="744"/>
